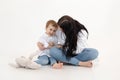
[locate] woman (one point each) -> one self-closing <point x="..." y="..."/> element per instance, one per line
<point x="72" y="36"/>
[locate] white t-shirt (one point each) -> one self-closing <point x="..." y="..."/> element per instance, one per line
<point x="61" y="37"/>
<point x="45" y="39"/>
<point x="81" y="42"/>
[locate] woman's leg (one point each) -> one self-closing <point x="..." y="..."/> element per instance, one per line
<point x="82" y="59"/>
<point x="43" y="60"/>
<point x="59" y="55"/>
<point x="87" y="54"/>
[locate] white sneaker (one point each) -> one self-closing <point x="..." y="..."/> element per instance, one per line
<point x="24" y="62"/>
<point x="21" y="61"/>
<point x="32" y="65"/>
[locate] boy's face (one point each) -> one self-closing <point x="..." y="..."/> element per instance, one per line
<point x="50" y="30"/>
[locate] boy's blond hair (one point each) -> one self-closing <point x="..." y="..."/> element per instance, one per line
<point x="52" y="22"/>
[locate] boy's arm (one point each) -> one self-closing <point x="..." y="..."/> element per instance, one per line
<point x="40" y="46"/>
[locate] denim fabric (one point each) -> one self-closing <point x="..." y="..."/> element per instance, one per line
<point x="45" y="60"/>
<point x="86" y="55"/>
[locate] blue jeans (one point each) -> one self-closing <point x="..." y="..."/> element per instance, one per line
<point x="86" y="55"/>
<point x="45" y="60"/>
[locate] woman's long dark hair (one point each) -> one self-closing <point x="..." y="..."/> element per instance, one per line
<point x="71" y="28"/>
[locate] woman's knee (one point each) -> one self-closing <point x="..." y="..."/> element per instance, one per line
<point x="94" y="54"/>
<point x="54" y="51"/>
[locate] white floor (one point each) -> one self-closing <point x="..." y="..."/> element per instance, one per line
<point x="105" y="68"/>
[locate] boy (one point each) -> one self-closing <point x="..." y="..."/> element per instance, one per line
<point x="46" y="41"/>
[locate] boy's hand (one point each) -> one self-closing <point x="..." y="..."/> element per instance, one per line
<point x="41" y="46"/>
<point x="59" y="46"/>
<point x="51" y="44"/>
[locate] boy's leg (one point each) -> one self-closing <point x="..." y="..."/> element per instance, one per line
<point x="24" y="62"/>
<point x="43" y="60"/>
<point x="55" y="64"/>
<point x="52" y="60"/>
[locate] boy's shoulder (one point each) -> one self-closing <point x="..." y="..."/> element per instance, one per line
<point x="42" y="35"/>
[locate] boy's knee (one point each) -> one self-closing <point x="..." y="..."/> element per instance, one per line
<point x="45" y="62"/>
<point x="42" y="62"/>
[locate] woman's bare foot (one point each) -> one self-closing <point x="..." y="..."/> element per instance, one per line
<point x="57" y="65"/>
<point x="86" y="64"/>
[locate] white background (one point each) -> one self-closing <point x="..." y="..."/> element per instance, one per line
<point x="22" y="21"/>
